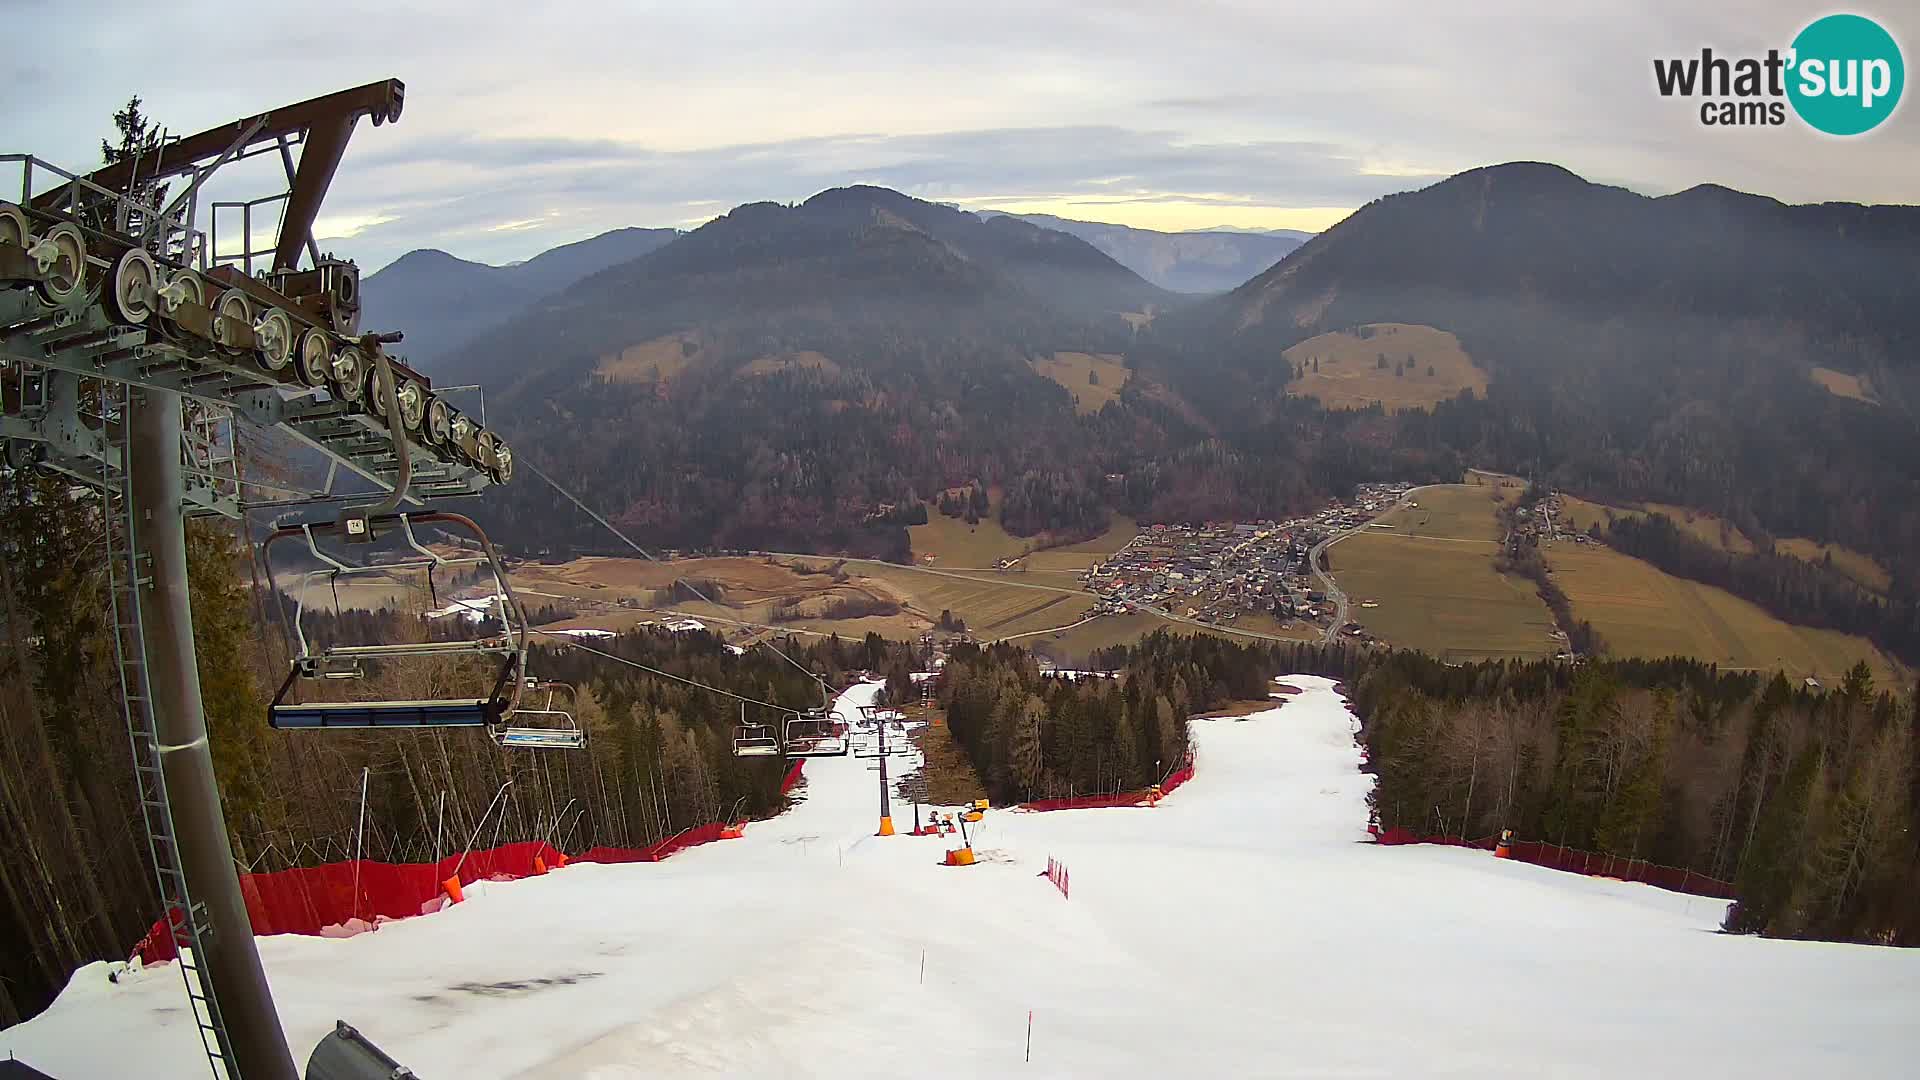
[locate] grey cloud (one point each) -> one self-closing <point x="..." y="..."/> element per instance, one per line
<point x="604" y="114"/>
<point x="526" y="178"/>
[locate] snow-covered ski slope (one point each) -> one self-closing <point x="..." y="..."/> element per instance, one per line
<point x="1242" y="928"/>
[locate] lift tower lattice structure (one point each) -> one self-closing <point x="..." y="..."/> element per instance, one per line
<point x="134" y="349"/>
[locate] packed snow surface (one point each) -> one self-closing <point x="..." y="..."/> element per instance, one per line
<point x="1242" y="928"/>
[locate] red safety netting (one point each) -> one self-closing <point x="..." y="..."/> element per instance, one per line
<point x="1124" y="798"/>
<point x="1572" y="860"/>
<point x="1177" y="777"/>
<point x="792" y="777"/>
<point x="319" y="900"/>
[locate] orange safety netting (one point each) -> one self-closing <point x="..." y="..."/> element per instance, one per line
<point x="1572" y="860"/>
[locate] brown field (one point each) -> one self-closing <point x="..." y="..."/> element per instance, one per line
<point x="1861" y="568"/>
<point x="1579" y="515"/>
<point x="1071" y="369"/>
<point x="369" y="592"/>
<point x="1509" y="488"/>
<point x="1071" y="648"/>
<point x="1075" y="558"/>
<point x="746" y="608"/>
<point x="1432" y="582"/>
<point x="1442" y="596"/>
<point x="1642" y="611"/>
<point x="1844" y="385"/>
<point x="768" y="365"/>
<point x="1706" y="526"/>
<point x="1457" y="512"/>
<point x="991" y="607"/>
<point x="650" y="361"/>
<point x="1709" y="528"/>
<point x="1350" y="376"/>
<point x="952" y="542"/>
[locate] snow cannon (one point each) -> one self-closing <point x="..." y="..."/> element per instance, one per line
<point x="1153" y="795"/>
<point x="960" y="856"/>
<point x="734" y="831"/>
<point x="975" y="812"/>
<point x="1504" y="849"/>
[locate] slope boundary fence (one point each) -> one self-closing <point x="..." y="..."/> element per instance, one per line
<point x="1574" y="861"/>
<point x="346" y="897"/>
<point x="1148" y="797"/>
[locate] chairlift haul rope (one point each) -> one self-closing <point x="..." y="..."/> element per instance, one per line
<point x="590" y="512"/>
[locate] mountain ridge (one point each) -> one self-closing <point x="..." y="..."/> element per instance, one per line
<point x="440" y="300"/>
<point x="1191" y="261"/>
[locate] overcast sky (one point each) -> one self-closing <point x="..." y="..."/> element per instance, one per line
<point x="529" y="125"/>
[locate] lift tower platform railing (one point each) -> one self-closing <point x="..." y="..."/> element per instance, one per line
<point x="130" y="348"/>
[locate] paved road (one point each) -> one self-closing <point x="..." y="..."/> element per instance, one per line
<point x="1332" y="587"/>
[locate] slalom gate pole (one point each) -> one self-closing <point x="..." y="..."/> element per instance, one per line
<point x="360" y="837"/>
<point x="481" y="825"/>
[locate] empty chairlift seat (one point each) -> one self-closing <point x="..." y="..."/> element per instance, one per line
<point x="814" y="733"/>
<point x="503" y="648"/>
<point x="755" y="740"/>
<point x="544" y="720"/>
<point x="479" y="712"/>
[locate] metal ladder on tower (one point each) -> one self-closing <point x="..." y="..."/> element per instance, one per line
<point x="126" y="574"/>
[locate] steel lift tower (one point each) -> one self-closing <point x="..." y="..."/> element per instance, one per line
<point x="132" y="345"/>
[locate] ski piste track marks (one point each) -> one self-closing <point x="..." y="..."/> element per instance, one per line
<point x="1241" y="928"/>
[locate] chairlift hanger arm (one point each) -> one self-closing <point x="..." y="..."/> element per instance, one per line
<point x="324" y="125"/>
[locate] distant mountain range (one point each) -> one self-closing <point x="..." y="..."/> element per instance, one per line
<point x="779" y="376"/>
<point x="1200" y="261"/>
<point x="1296" y="234"/>
<point x="439" y="300"/>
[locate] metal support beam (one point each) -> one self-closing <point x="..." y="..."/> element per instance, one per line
<point x="231" y="960"/>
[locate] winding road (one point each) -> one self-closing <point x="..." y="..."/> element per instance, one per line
<point x="1332" y="587"/>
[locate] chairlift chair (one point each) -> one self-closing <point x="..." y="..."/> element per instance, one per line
<point x="338" y="661"/>
<point x="813" y="733"/>
<point x="545" y="724"/>
<point x="755" y="740"/>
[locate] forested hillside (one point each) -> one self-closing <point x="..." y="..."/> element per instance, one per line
<point x="1807" y="798"/>
<point x="777" y="377"/>
<point x="1804" y="797"/>
<point x="806" y="377"/>
<point x="440" y="301"/>
<point x="1639" y="349"/>
<point x="75" y="877"/>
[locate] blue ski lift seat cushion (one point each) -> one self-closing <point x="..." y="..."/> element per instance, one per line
<point x="383" y="714"/>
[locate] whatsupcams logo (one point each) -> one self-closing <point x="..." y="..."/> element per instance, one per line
<point x="1842" y="75"/>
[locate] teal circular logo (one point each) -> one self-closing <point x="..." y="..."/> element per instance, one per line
<point x="1846" y="74"/>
